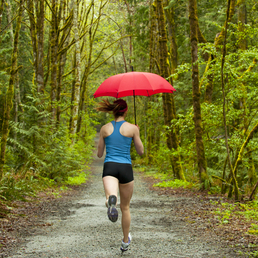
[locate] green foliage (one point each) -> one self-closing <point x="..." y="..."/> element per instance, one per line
<point x="170" y="4"/>
<point x="250" y="210"/>
<point x="68" y="158"/>
<point x="176" y="183"/>
<point x="253" y="230"/>
<point x="225" y="211"/>
<point x="14" y="187"/>
<point x="152" y="172"/>
<point x="77" y="180"/>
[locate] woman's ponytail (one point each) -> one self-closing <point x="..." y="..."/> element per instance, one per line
<point x="118" y="107"/>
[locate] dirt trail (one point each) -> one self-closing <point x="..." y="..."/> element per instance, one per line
<point x="85" y="231"/>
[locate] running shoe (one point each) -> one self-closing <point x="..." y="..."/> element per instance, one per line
<point x="124" y="246"/>
<point x="112" y="211"/>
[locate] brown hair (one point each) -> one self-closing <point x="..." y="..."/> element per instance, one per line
<point x="118" y="107"/>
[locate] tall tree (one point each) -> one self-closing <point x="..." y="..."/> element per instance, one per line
<point x="54" y="56"/>
<point x="17" y="99"/>
<point x="232" y="172"/>
<point x="129" y="13"/>
<point x="170" y="15"/>
<point x="77" y="67"/>
<point x="66" y="18"/>
<point x="218" y="42"/>
<point x="202" y="167"/>
<point x="168" y="99"/>
<point x="10" y="92"/>
<point x="242" y="20"/>
<point x="1" y="11"/>
<point x="36" y="13"/>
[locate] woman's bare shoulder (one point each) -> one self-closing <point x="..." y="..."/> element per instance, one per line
<point x="129" y="125"/>
<point x="107" y="129"/>
<point x="128" y="129"/>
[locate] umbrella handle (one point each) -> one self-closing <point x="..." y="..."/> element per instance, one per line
<point x="134" y="108"/>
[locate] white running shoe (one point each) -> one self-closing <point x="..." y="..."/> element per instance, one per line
<point x="124" y="246"/>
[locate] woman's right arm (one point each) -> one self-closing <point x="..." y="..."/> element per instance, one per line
<point x="101" y="144"/>
<point x="137" y="141"/>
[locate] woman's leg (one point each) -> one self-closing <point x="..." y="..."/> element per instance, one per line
<point x="110" y="186"/>
<point x="126" y="192"/>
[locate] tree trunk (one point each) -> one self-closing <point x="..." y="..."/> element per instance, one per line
<point x="37" y="39"/>
<point x="254" y="191"/>
<point x="196" y="92"/>
<point x="224" y="101"/>
<point x="130" y="37"/>
<point x="242" y="19"/>
<point x="218" y="41"/>
<point x="168" y="99"/>
<point x="1" y="11"/>
<point x="170" y="15"/>
<point x="241" y="152"/>
<point x="10" y="91"/>
<point x="40" y="50"/>
<point x="86" y="73"/>
<point x="62" y="57"/>
<point x="53" y="58"/>
<point x="33" y="33"/>
<point x="153" y="18"/>
<point x="77" y="84"/>
<point x="17" y="99"/>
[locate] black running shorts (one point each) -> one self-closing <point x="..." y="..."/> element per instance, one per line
<point x="123" y="172"/>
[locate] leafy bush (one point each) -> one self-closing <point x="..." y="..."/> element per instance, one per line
<point x="174" y="184"/>
<point x="13" y="187"/>
<point x="77" y="180"/>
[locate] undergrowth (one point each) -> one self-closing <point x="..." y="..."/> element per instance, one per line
<point x="57" y="163"/>
<point x="77" y="180"/>
<point x="167" y="180"/>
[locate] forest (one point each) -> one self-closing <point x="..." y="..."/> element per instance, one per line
<point x="55" y="54"/>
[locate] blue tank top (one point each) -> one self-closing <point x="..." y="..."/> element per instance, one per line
<point x="118" y="146"/>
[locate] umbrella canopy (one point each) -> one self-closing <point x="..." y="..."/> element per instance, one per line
<point x="133" y="84"/>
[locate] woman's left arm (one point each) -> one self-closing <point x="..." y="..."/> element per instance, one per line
<point x="101" y="144"/>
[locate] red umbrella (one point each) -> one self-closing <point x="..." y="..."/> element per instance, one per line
<point x="133" y="84"/>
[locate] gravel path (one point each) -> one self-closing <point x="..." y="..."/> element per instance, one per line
<point x="85" y="231"/>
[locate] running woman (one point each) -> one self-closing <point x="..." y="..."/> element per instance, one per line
<point x="117" y="171"/>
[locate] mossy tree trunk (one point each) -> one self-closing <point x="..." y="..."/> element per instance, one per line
<point x="10" y="91"/>
<point x="150" y="129"/>
<point x="1" y="11"/>
<point x="232" y="174"/>
<point x="153" y="29"/>
<point x="36" y="13"/>
<point x="242" y="20"/>
<point x="17" y="99"/>
<point x="89" y="39"/>
<point x="77" y="85"/>
<point x="130" y="37"/>
<point x="66" y="24"/>
<point x="91" y="60"/>
<point x="218" y="41"/>
<point x="170" y="15"/>
<point x="168" y="99"/>
<point x="202" y="168"/>
<point x="241" y="152"/>
<point x="40" y="11"/>
<point x="53" y="57"/>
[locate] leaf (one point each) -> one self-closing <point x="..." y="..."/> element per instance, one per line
<point x="171" y="4"/>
